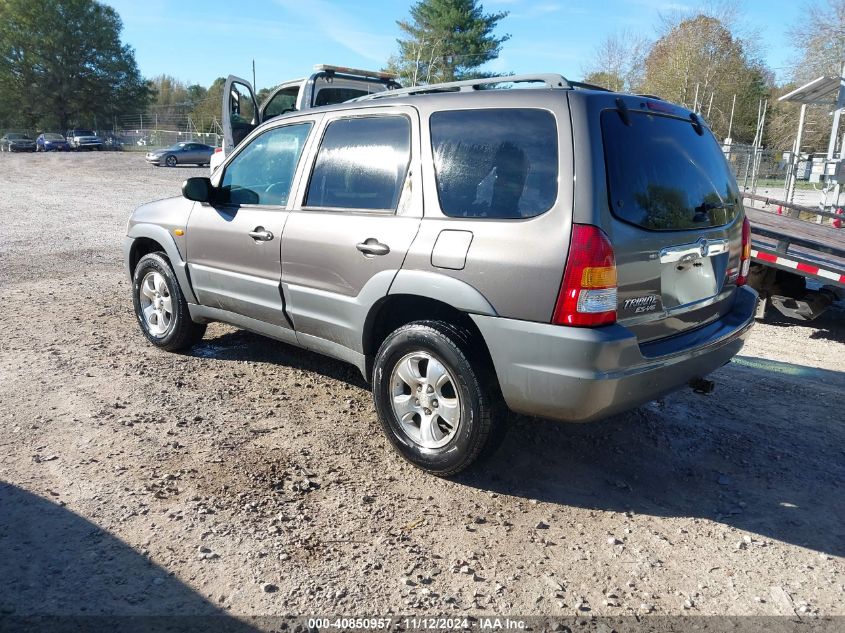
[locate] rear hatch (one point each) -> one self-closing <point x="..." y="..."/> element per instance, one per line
<point x="667" y="199"/>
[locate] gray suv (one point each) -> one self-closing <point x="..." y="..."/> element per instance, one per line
<point x="565" y="251"/>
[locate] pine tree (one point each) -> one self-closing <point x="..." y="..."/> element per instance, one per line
<point x="446" y="40"/>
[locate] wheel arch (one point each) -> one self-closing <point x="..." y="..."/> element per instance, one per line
<point x="143" y="239"/>
<point x="398" y="309"/>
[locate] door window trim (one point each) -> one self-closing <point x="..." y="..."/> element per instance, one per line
<point x="412" y="171"/>
<point x="304" y="158"/>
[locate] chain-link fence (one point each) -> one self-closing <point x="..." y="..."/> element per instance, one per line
<point x="764" y="172"/>
<point x="146" y="131"/>
<point x="755" y="166"/>
<point x="143" y="132"/>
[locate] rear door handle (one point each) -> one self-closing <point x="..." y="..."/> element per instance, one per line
<point x="260" y="234"/>
<point x="372" y="246"/>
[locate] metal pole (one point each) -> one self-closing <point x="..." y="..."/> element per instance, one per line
<point x="753" y="154"/>
<point x="731" y="123"/>
<point x="254" y="87"/>
<point x="790" y="186"/>
<point x="840" y="103"/>
<point x="758" y="150"/>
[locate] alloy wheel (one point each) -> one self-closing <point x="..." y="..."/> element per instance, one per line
<point x="425" y="400"/>
<point x="156" y="303"/>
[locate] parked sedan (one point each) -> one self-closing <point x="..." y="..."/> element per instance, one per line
<point x="51" y="142"/>
<point x="181" y="154"/>
<point x="15" y="142"/>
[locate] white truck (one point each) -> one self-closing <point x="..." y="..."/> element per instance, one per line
<point x="327" y="85"/>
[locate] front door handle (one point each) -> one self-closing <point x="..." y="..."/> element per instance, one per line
<point x="372" y="246"/>
<point x="260" y="234"/>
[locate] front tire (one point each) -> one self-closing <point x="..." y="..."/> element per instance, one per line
<point x="170" y="161"/>
<point x="160" y="306"/>
<point x="435" y="398"/>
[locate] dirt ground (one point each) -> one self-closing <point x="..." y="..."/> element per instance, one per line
<point x="250" y="477"/>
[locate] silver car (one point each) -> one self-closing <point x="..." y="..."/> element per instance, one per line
<point x="15" y="142"/>
<point x="438" y="239"/>
<point x="187" y="153"/>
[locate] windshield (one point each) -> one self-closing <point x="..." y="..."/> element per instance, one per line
<point x="176" y="147"/>
<point x="664" y="176"/>
<point x="83" y="133"/>
<point x="54" y="137"/>
<point x="15" y="136"/>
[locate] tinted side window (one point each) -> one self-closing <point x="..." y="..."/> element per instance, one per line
<point x="330" y="96"/>
<point x="663" y="176"/>
<point x="361" y="164"/>
<point x="498" y="163"/>
<point x="285" y="101"/>
<point x="262" y="173"/>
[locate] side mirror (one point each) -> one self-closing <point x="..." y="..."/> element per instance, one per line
<point x="198" y="189"/>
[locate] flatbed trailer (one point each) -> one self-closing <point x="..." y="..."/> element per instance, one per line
<point x="788" y="248"/>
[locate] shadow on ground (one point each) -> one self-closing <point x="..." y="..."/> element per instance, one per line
<point x="777" y="470"/>
<point x="829" y="325"/>
<point x="763" y="454"/>
<point x="242" y="345"/>
<point x="61" y="572"/>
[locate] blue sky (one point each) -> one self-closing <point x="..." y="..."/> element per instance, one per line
<point x="199" y="40"/>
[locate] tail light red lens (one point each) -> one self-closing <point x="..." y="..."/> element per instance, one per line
<point x="217" y="150"/>
<point x="587" y="294"/>
<point x="745" y="254"/>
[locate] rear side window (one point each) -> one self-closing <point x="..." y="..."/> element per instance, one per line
<point x="663" y="176"/>
<point x="497" y="163"/>
<point x="361" y="164"/>
<point x="330" y="96"/>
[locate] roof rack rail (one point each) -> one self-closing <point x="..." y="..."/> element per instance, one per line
<point x="551" y="80"/>
<point x="648" y="96"/>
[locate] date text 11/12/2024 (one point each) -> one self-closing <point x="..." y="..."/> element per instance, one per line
<point x="418" y="624"/>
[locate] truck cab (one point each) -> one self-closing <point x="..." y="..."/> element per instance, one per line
<point x="327" y="85"/>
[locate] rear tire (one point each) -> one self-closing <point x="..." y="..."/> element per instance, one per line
<point x="160" y="306"/>
<point x="436" y="398"/>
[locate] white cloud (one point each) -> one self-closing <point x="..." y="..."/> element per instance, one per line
<point x="342" y="27"/>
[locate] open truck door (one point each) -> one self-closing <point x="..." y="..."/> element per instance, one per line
<point x="240" y="112"/>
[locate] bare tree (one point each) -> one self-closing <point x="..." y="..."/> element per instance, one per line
<point x="820" y="40"/>
<point x="618" y="62"/>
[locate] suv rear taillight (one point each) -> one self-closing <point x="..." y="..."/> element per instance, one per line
<point x="587" y="295"/>
<point x="745" y="254"/>
<point x="217" y="150"/>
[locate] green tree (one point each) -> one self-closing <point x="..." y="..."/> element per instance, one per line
<point x="62" y="63"/>
<point x="701" y="64"/>
<point x="446" y="40"/>
<point x="206" y="112"/>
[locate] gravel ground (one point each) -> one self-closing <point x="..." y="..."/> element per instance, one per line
<point x="250" y="477"/>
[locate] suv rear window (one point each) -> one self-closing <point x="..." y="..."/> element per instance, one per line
<point x="663" y="176"/>
<point x="497" y="163"/>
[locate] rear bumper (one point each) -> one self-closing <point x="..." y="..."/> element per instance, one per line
<point x="583" y="374"/>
